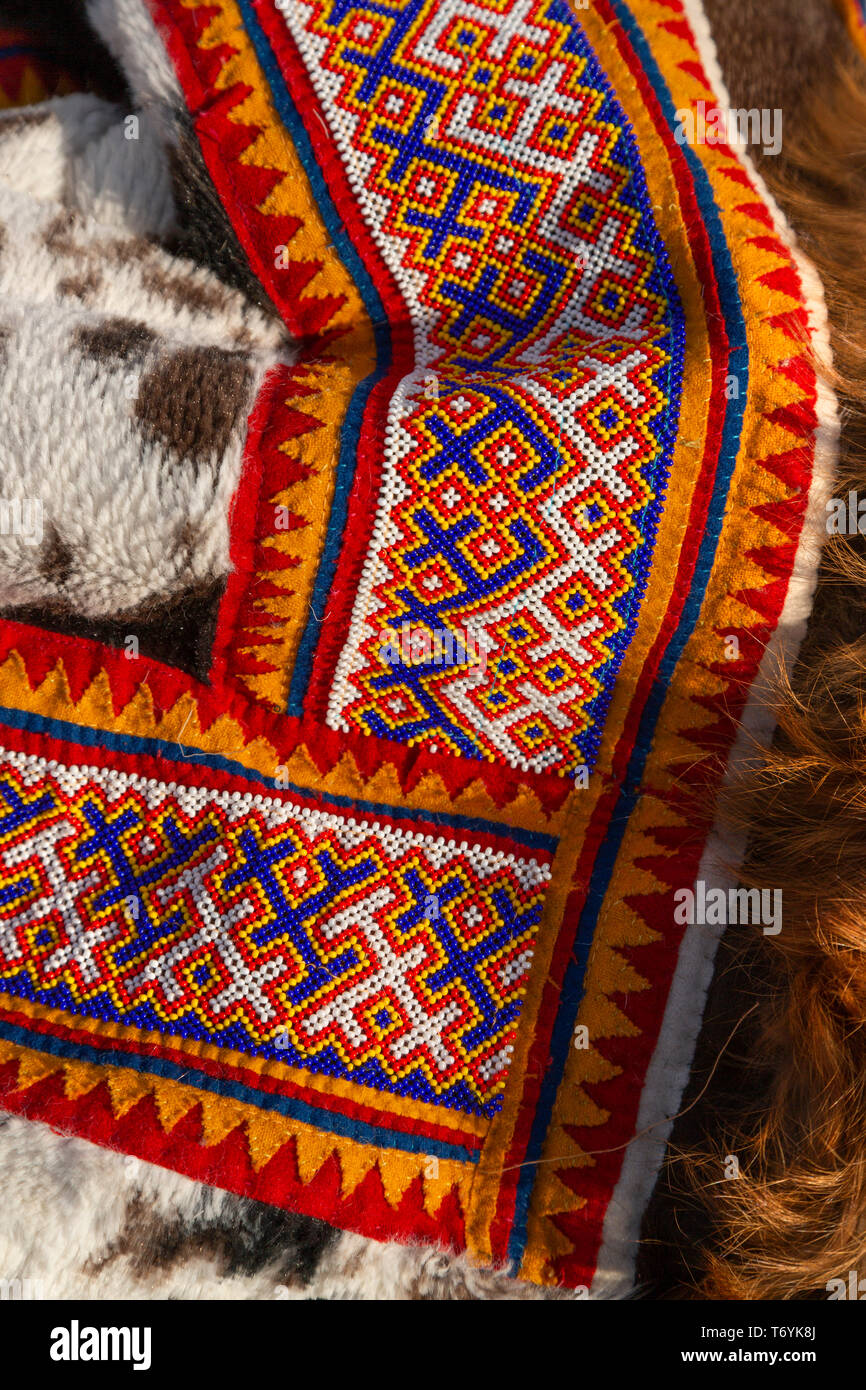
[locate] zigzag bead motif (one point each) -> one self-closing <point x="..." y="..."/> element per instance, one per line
<point x="354" y="947"/>
<point x="525" y="459"/>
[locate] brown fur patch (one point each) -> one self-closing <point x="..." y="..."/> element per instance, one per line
<point x="58" y="235"/>
<point x="83" y="287"/>
<point x="178" y="630"/>
<point x="114" y="338"/>
<point x="55" y="558"/>
<point x="128" y="250"/>
<point x="184" y="291"/>
<point x="193" y="400"/>
<point x="239" y="1236"/>
<point x="775" y="54"/>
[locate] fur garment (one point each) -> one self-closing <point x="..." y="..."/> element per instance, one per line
<point x="158" y="307"/>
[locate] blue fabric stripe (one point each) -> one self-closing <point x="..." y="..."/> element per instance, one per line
<point x="25" y="50"/>
<point x="294" y="1109"/>
<point x="132" y="745"/>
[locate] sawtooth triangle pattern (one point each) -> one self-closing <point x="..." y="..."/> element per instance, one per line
<point x="303" y="959"/>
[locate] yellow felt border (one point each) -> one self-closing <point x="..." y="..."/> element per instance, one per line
<point x="329" y="382"/>
<point x="265" y="1132"/>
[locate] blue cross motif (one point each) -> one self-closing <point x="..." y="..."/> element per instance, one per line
<point x="258" y="867"/>
<point x="20" y="813"/>
<point x="462" y="963"/>
<point x="107" y="839"/>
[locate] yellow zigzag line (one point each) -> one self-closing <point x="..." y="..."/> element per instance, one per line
<point x="265" y="1133"/>
<point x="225" y="736"/>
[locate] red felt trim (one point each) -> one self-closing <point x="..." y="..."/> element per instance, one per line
<point x="83" y="660"/>
<point x="88" y="1034"/>
<point x="228" y="1165"/>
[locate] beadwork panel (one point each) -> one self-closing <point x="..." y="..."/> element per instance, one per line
<point x="520" y="465"/>
<point x="378" y="924"/>
<point x="354" y="947"/>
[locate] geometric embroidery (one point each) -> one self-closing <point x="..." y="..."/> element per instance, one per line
<point x="514" y="550"/>
<point x="167" y="945"/>
<point x="525" y="458"/>
<point x="352" y="947"/>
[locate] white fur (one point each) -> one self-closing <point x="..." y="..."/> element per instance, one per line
<point x="89" y="155"/>
<point x="67" y="1232"/>
<point x="68" y="434"/>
